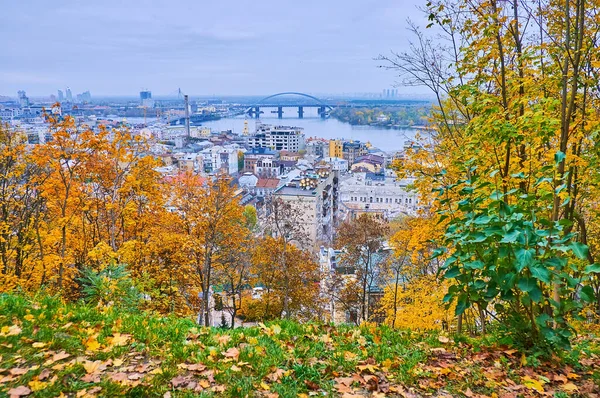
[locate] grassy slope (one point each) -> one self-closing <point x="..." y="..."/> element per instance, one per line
<point x="50" y="348"/>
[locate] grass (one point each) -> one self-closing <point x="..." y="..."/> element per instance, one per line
<point x="49" y="348"/>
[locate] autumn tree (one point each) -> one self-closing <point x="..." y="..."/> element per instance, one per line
<point x="64" y="162"/>
<point x="21" y="213"/>
<point x="285" y="223"/>
<point x="294" y="288"/>
<point x="516" y="88"/>
<point x="360" y="240"/>
<point x="234" y="272"/>
<point x="211" y="224"/>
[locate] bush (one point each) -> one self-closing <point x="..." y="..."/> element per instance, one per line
<point x="111" y="286"/>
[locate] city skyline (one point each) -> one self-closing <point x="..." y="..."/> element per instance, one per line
<point x="230" y="48"/>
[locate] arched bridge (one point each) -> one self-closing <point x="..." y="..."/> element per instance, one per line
<point x="271" y="102"/>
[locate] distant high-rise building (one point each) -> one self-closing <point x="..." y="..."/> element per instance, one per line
<point x="84" y="97"/>
<point x="69" y="95"/>
<point x="61" y="96"/>
<point x="145" y="94"/>
<point x="23" y="100"/>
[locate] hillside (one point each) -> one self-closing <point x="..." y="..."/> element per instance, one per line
<point x="48" y="348"/>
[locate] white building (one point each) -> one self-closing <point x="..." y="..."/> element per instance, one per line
<point x="248" y="180"/>
<point x="379" y="192"/>
<point x="223" y="158"/>
<point x="279" y="138"/>
<point x="337" y="164"/>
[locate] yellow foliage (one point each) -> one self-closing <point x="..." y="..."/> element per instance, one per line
<point x="417" y="305"/>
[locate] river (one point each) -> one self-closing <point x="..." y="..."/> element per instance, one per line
<point x="387" y="140"/>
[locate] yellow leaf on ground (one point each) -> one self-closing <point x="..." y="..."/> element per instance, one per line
<point x="119" y="339"/>
<point x="36" y="385"/>
<point x="569" y="387"/>
<point x="537" y="385"/>
<point x="37" y="344"/>
<point x="91" y="343"/>
<point x="91" y="367"/>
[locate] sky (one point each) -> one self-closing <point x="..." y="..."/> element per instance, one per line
<point x="204" y="47"/>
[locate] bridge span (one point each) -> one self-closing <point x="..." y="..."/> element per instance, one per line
<point x="323" y="108"/>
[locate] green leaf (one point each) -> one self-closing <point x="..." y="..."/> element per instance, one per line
<point x="592" y="269"/>
<point x="461" y="305"/>
<point x="511" y="236"/>
<point x="536" y="294"/>
<point x="587" y="294"/>
<point x="524" y="258"/>
<point x="474" y="265"/>
<point x="452" y="273"/>
<point x="579" y="249"/>
<point x="559" y="157"/>
<point x="527" y="284"/>
<point x="540" y="273"/>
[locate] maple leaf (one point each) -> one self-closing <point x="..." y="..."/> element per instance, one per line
<point x="224" y="339"/>
<point x="13" y="330"/>
<point x="91" y="343"/>
<point x="19" y="391"/>
<point x="119" y="339"/>
<point x="276" y="375"/>
<point x="37" y="385"/>
<point x="60" y="356"/>
<point x="44" y="374"/>
<point x="233" y="352"/>
<point x="91" y="367"/>
<point x="537" y="385"/>
<point x="91" y="378"/>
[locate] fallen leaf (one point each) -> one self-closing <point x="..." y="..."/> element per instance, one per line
<point x="224" y="339"/>
<point x="44" y="374"/>
<point x="311" y="385"/>
<point x="37" y="344"/>
<point x="119" y="339"/>
<point x="36" y="385"/>
<point x="91" y="378"/>
<point x="443" y="339"/>
<point x="569" y="387"/>
<point x="91" y="343"/>
<point x="91" y="367"/>
<point x="537" y="385"/>
<point x="233" y="352"/>
<point x="20" y="391"/>
<point x="60" y="356"/>
<point x="18" y="371"/>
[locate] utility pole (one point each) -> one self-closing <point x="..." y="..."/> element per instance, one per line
<point x="187" y="116"/>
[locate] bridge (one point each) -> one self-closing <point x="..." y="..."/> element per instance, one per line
<point x="268" y="102"/>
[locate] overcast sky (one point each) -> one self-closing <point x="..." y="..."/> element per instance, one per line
<point x="203" y="46"/>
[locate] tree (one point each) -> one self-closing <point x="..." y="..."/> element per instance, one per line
<point x="20" y="213"/>
<point x="211" y="224"/>
<point x="284" y="222"/>
<point x="294" y="288"/>
<point x="234" y="273"/>
<point x="65" y="162"/>
<point x="360" y="240"/>
<point x="511" y="153"/>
